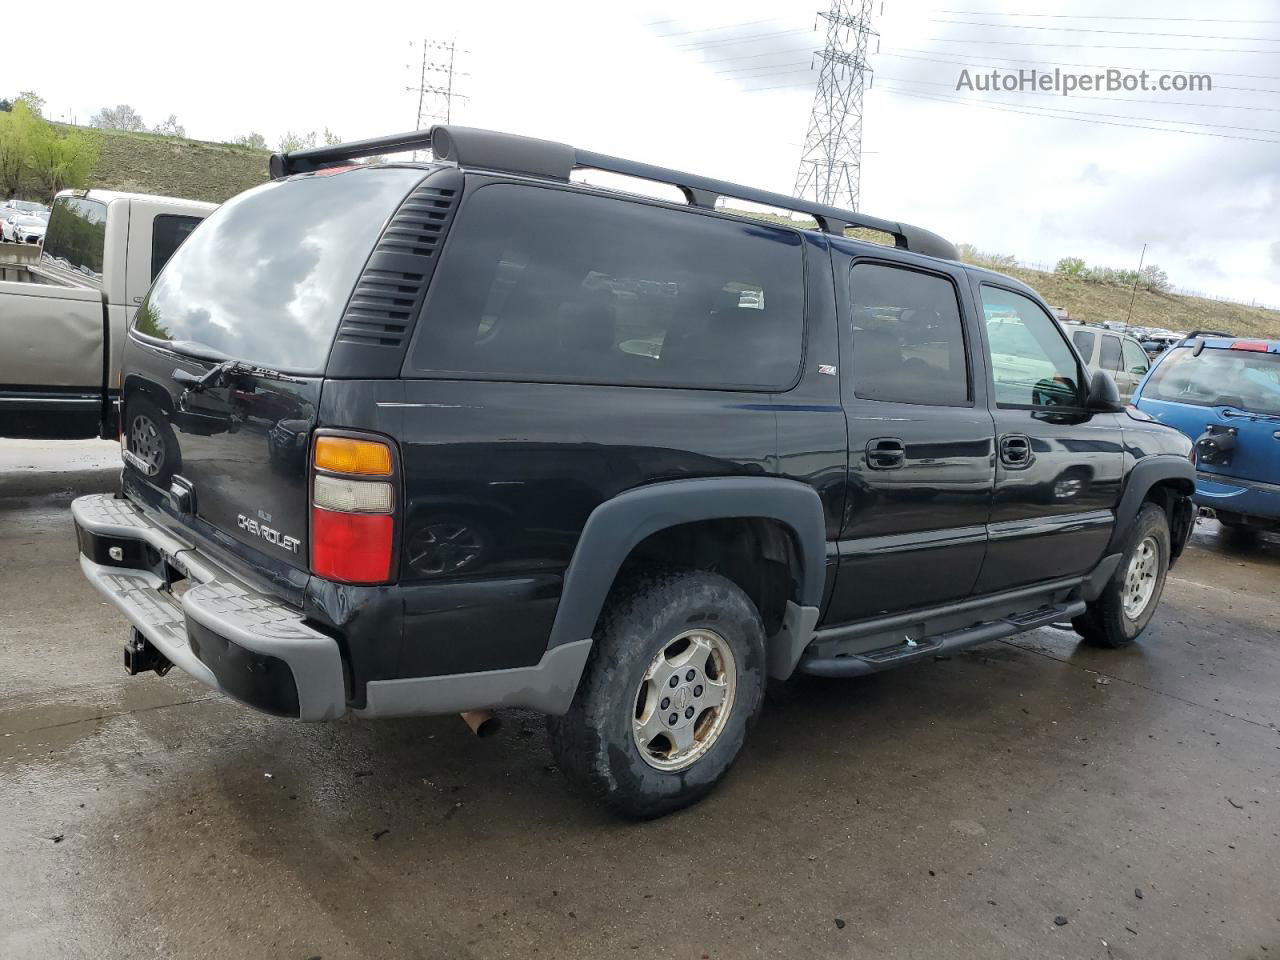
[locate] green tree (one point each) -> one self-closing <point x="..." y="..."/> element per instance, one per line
<point x="120" y="117"/>
<point x="36" y="160"/>
<point x="33" y="100"/>
<point x="171" y="127"/>
<point x="58" y="161"/>
<point x="1155" y="279"/>
<point x="251" y="139"/>
<point x="330" y="138"/>
<point x="1070" y="267"/>
<point x="291" y="141"/>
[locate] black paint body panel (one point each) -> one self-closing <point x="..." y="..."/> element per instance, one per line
<point x="500" y="479"/>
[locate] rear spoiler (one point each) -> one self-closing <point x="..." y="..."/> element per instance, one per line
<point x="489" y="150"/>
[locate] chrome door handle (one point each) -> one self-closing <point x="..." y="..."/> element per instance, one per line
<point x="886" y="453"/>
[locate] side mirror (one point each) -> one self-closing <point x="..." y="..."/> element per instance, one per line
<point x="1104" y="395"/>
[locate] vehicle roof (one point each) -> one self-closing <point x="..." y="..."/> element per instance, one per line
<point x="106" y="196"/>
<point x="1224" y="343"/>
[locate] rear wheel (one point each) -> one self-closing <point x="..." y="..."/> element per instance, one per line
<point x="675" y="678"/>
<point x="1130" y="598"/>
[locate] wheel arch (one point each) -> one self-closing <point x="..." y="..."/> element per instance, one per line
<point x="1165" y="481"/>
<point x="617" y="527"/>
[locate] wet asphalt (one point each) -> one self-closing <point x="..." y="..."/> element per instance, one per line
<point x="950" y="809"/>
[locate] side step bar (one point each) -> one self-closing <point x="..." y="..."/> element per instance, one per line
<point x="873" y="661"/>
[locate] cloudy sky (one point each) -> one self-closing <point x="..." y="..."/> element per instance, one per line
<point x="724" y="87"/>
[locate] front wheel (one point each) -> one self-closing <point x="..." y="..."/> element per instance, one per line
<point x="675" y="678"/>
<point x="1130" y="598"/>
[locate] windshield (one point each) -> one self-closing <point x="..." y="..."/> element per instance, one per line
<point x="1248" y="380"/>
<point x="266" y="277"/>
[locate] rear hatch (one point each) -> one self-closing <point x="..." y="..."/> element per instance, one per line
<point x="1230" y="387"/>
<point x="224" y="367"/>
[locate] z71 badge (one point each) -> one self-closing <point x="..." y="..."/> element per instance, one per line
<point x="268" y="534"/>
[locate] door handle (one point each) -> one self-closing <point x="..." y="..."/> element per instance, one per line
<point x="886" y="453"/>
<point x="1015" y="450"/>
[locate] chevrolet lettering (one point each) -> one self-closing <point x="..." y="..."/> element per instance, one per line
<point x="268" y="534"/>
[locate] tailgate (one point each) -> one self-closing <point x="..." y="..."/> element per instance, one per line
<point x="228" y="461"/>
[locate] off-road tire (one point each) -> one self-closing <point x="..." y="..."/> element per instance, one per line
<point x="594" y="743"/>
<point x="1105" y="623"/>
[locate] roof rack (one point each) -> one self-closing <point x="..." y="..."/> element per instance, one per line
<point x="1208" y="333"/>
<point x="489" y="150"/>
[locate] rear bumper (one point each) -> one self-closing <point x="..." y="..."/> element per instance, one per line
<point x="1246" y="498"/>
<point x="263" y="652"/>
<point x="219" y="631"/>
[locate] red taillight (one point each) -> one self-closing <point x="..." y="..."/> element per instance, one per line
<point x="351" y="547"/>
<point x="352" y="514"/>
<point x="1255" y="346"/>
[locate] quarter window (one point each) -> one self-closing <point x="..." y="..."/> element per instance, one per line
<point x="908" y="339"/>
<point x="553" y="285"/>
<point x="1031" y="364"/>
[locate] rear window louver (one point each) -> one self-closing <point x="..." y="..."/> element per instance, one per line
<point x="390" y="289"/>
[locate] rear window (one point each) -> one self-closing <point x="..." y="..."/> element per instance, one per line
<point x="552" y="285"/>
<point x="268" y="274"/>
<point x="76" y="235"/>
<point x="1218" y="378"/>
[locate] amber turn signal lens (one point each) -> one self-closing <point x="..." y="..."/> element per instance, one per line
<point x="345" y="455"/>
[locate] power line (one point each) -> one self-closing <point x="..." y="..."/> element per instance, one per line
<point x="1124" y="116"/>
<point x="1075" y="96"/>
<point x="1089" y="16"/>
<point x="700" y="45"/>
<point x="1096" y="46"/>
<point x="1062" y="63"/>
<point x="1037" y="112"/>
<point x="775" y="66"/>
<point x="1131" y="33"/>
<point x="731" y="26"/>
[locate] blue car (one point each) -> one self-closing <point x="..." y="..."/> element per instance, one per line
<point x="1224" y="393"/>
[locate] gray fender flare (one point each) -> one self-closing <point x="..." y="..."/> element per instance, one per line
<point x="616" y="526"/>
<point x="1146" y="473"/>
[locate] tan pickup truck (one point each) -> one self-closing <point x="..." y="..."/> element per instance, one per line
<point x="63" y="314"/>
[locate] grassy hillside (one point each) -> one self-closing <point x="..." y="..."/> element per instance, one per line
<point x="1096" y="302"/>
<point x="175" y="167"/>
<point x="1102" y="303"/>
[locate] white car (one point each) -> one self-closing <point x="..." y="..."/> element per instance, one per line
<point x="28" y="229"/>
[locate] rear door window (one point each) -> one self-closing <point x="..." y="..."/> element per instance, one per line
<point x="542" y="284"/>
<point x="1109" y="356"/>
<point x="908" y="339"/>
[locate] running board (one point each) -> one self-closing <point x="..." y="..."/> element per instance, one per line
<point x="873" y="661"/>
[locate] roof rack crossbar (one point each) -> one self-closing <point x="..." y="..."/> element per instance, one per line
<point x="317" y="158"/>
<point x="488" y="150"/>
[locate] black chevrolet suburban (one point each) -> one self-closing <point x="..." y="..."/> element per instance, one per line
<point x="412" y="438"/>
